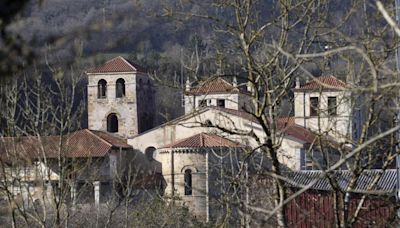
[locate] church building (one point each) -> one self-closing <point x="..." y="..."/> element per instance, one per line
<point x="195" y="152"/>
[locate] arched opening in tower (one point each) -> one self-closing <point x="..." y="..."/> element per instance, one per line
<point x="112" y="123"/>
<point x="102" y="89"/>
<point x="120" y="88"/>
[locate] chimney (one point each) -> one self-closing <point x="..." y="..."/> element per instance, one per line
<point x="234" y="83"/>
<point x="297" y="82"/>
<point x="187" y="85"/>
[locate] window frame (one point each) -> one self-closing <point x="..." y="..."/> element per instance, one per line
<point x="112" y="124"/>
<point x="188" y="182"/>
<point x="223" y="102"/>
<point x="203" y="103"/>
<point x="332" y="110"/>
<point x="102" y="89"/>
<point x="120" y="88"/>
<point x="314" y="108"/>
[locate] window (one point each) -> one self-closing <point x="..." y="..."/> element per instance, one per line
<point x="312" y="159"/>
<point x="314" y="103"/>
<point x="203" y="103"/>
<point x="332" y="106"/>
<point x="120" y="88"/>
<point x="149" y="152"/>
<point x="188" y="182"/>
<point x="112" y="123"/>
<point x="306" y="161"/>
<point x="102" y="89"/>
<point x="221" y="103"/>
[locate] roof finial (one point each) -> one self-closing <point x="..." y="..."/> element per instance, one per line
<point x="187" y="84"/>
<point x="297" y="82"/>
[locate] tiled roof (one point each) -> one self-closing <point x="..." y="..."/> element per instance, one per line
<point x="115" y="65"/>
<point x="202" y="140"/>
<point x="300" y="133"/>
<point x="214" y="85"/>
<point x="83" y="143"/>
<point x="325" y="82"/>
<point x="286" y="125"/>
<point x="242" y="114"/>
<point x="387" y="181"/>
<point x="88" y="143"/>
<point x="287" y="120"/>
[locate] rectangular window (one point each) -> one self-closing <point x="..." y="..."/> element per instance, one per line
<point x="306" y="162"/>
<point x="221" y="103"/>
<point x="332" y="106"/>
<point x="314" y="105"/>
<point x="203" y="103"/>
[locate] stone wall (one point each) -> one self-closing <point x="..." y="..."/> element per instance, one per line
<point x="125" y="107"/>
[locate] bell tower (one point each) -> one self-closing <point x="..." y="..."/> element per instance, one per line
<point x="324" y="105"/>
<point x="120" y="98"/>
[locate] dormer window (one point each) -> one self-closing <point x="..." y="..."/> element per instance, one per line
<point x="332" y="106"/>
<point x="314" y="105"/>
<point x="221" y="103"/>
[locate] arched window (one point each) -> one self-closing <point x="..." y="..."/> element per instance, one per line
<point x="102" y="89"/>
<point x="120" y="88"/>
<point x="112" y="123"/>
<point x="149" y="152"/>
<point x="188" y="182"/>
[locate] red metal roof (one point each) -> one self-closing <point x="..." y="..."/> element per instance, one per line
<point x="202" y="140"/>
<point x="79" y="144"/>
<point x="118" y="64"/>
<point x="324" y="82"/>
<point x="214" y="85"/>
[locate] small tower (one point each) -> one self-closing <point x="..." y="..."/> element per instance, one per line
<point x="120" y="98"/>
<point x="323" y="105"/>
<point x="215" y="91"/>
<point x="192" y="169"/>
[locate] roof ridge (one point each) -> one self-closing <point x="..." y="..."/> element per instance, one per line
<point x="127" y="62"/>
<point x="90" y="131"/>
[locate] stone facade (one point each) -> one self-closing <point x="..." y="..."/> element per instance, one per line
<point x="134" y="111"/>
<point x="174" y="164"/>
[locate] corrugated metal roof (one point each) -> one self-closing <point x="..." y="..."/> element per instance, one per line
<point x="386" y="183"/>
<point x="214" y="85"/>
<point x="115" y="65"/>
<point x="202" y="140"/>
<point x="324" y="82"/>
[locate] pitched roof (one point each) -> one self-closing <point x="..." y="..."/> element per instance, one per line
<point x="387" y="180"/>
<point x="202" y="140"/>
<point x="78" y="144"/>
<point x="89" y="143"/>
<point x="324" y="82"/>
<point x="214" y="85"/>
<point x="115" y="65"/>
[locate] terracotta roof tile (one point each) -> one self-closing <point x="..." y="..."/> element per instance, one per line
<point x="286" y="125"/>
<point x="83" y="143"/>
<point x="118" y="64"/>
<point x="203" y="140"/>
<point x="214" y="85"/>
<point x="325" y="82"/>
